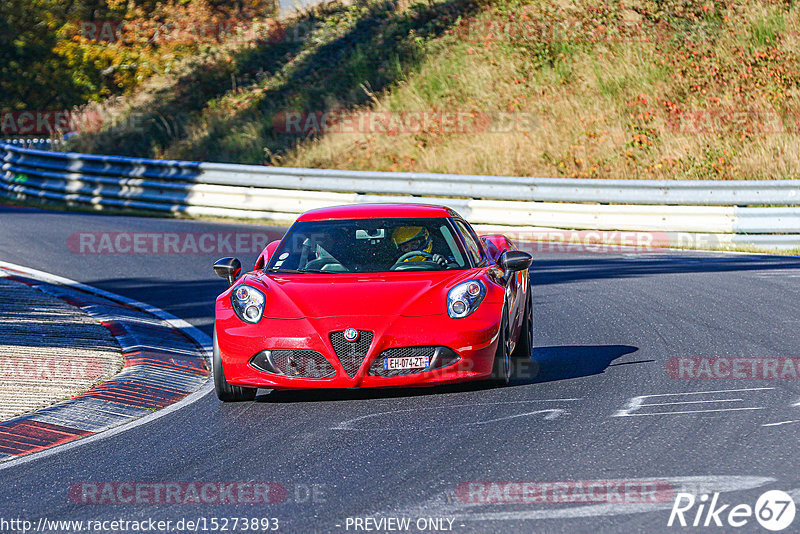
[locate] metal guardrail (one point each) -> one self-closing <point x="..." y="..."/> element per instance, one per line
<point x="732" y="209"/>
<point x="36" y="143"/>
<point x="652" y="192"/>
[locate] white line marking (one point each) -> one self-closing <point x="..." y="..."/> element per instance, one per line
<point x="704" y="392"/>
<point x="782" y="423"/>
<point x="691" y="411"/>
<point x="691" y="402"/>
<point x="347" y="425"/>
<point x="635" y="403"/>
<point x="551" y="414"/>
<point x="203" y="341"/>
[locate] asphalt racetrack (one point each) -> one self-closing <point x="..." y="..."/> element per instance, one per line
<point x="609" y="396"/>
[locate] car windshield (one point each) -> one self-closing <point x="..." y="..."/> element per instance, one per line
<point x="369" y="246"/>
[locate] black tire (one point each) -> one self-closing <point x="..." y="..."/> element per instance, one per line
<point x="226" y="392"/>
<point x="501" y="370"/>
<point x="524" y="348"/>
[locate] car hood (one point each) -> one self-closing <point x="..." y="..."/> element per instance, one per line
<point x="299" y="296"/>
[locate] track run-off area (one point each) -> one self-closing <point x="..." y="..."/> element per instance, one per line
<point x="653" y="373"/>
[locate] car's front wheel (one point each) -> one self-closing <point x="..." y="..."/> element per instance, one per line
<point x="226" y="392"/>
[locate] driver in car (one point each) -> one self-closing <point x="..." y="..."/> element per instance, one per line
<point x="416" y="239"/>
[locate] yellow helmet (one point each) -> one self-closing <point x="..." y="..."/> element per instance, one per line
<point x="408" y="238"/>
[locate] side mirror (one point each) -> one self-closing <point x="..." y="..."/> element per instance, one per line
<point x="229" y="268"/>
<point x="496" y="244"/>
<point x="514" y="260"/>
<point x="491" y="248"/>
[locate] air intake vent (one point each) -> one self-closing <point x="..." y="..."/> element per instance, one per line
<point x="351" y="354"/>
<point x="299" y="363"/>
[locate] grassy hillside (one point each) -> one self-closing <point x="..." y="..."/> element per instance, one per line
<point x="695" y="89"/>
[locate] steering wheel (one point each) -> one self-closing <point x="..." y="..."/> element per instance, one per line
<point x="412" y="254"/>
<point x="423" y="265"/>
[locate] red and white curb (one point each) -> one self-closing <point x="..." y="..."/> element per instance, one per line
<point x="166" y="366"/>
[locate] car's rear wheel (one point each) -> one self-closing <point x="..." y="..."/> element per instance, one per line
<point x="524" y="348"/>
<point x="226" y="392"/>
<point x="501" y="371"/>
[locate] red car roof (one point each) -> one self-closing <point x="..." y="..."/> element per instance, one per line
<point x="374" y="211"/>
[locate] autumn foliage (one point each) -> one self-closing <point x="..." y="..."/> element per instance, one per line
<point x="58" y="54"/>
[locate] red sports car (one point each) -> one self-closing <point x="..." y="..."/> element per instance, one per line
<point x="373" y="295"/>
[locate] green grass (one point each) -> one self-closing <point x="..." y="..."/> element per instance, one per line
<point x="601" y="102"/>
<point x="767" y="30"/>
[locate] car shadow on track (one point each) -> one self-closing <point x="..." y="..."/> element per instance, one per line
<point x="328" y="395"/>
<point x="546" y="364"/>
<point x="563" y="362"/>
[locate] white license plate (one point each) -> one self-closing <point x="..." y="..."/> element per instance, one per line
<point x="393" y="364"/>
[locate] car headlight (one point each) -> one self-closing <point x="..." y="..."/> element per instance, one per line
<point x="465" y="298"/>
<point x="248" y="303"/>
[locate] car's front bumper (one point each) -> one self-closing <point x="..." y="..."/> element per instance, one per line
<point x="473" y="339"/>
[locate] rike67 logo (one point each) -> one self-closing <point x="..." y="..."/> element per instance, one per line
<point x="774" y="510"/>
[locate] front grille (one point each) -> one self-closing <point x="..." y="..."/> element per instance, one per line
<point x="351" y="354"/>
<point x="439" y="357"/>
<point x="298" y="363"/>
